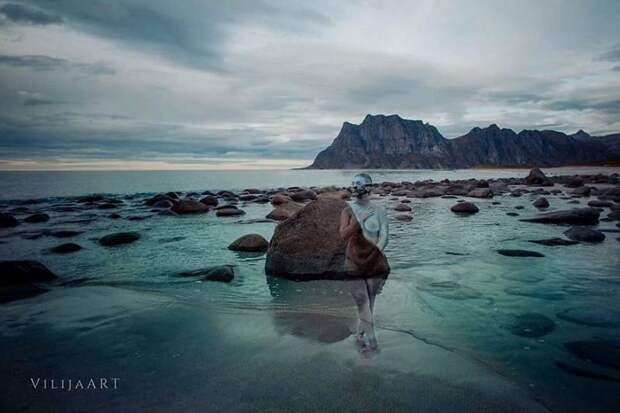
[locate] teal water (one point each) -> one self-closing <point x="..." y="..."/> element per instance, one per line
<point x="266" y="344"/>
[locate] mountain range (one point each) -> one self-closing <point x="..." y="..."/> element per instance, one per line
<point x="391" y="142"/>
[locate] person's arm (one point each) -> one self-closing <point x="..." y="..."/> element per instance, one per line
<point x="347" y="225"/>
<point x="383" y="229"/>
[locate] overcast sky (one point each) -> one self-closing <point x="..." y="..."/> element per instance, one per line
<point x="156" y="84"/>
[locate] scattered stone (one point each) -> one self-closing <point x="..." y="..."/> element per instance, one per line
<point x="250" y="243"/>
<point x="554" y="241"/>
<point x="519" y="253"/>
<point x="229" y="211"/>
<point x="222" y="273"/>
<point x="531" y="325"/>
<point x="303" y="195"/>
<point x="66" y="248"/>
<point x="592" y="316"/>
<point x="600" y="204"/>
<point x="163" y="204"/>
<point x="114" y="216"/>
<point x="535" y="177"/>
<point x="36" y="218"/>
<point x="578" y="216"/>
<point x="279" y="199"/>
<point x="464" y="208"/>
<point x="24" y="272"/>
<point x="209" y="200"/>
<point x="582" y="191"/>
<point x="402" y="207"/>
<point x="480" y="193"/>
<point x="189" y="206"/>
<point x="63" y="233"/>
<point x="404" y="217"/>
<point x="119" y="238"/>
<point x="519" y="207"/>
<point x="541" y="202"/>
<point x="584" y="234"/>
<point x="512" y="214"/>
<point x="7" y="221"/>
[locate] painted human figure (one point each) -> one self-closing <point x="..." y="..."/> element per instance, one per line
<point x="364" y="228"/>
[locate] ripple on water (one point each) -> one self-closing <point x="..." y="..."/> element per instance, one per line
<point x="535" y="292"/>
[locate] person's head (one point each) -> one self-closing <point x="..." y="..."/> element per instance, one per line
<point x="360" y="181"/>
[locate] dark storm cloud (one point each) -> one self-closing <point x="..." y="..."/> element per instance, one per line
<point x="47" y="63"/>
<point x="612" y="55"/>
<point x="192" y="33"/>
<point x="40" y="102"/>
<point x="607" y="106"/>
<point x="20" y="13"/>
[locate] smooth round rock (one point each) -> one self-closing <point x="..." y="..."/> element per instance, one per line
<point x="119" y="238"/>
<point x="584" y="234"/>
<point x="531" y="325"/>
<point x="66" y="248"/>
<point x="249" y="243"/>
<point x="464" y="208"/>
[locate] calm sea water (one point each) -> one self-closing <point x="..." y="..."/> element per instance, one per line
<point x="37" y="184"/>
<point x="266" y="344"/>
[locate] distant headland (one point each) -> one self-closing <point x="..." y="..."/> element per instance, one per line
<point x="391" y="142"/>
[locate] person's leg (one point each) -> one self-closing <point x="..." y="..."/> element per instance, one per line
<point x="359" y="292"/>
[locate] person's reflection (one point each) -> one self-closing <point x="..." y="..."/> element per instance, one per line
<point x="364" y="228"/>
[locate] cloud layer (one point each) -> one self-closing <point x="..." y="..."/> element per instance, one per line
<point x="269" y="83"/>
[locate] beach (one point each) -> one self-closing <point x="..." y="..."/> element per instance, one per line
<point x="461" y="326"/>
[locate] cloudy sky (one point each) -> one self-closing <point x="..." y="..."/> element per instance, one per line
<point x="211" y="84"/>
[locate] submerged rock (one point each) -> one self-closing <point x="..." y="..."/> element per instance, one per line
<point x="65" y="248"/>
<point x="592" y="316"/>
<point x="222" y="273"/>
<point x="584" y="234"/>
<point x="36" y="218"/>
<point x="577" y="216"/>
<point x="24" y="272"/>
<point x="554" y="241"/>
<point x="119" y="238"/>
<point x="519" y="253"/>
<point x="7" y="221"/>
<point x="448" y="289"/>
<point x="541" y="203"/>
<point x="604" y="353"/>
<point x="464" y="208"/>
<point x="404" y="217"/>
<point x="249" y="243"/>
<point x="531" y="325"/>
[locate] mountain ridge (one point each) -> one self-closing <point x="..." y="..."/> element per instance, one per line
<point x="392" y="142"/>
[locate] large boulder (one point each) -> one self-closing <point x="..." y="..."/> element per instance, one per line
<point x="24" y="272"/>
<point x="577" y="216"/>
<point x="249" y="243"/>
<point x="584" y="234"/>
<point x="189" y="206"/>
<point x="535" y="177"/>
<point x="308" y="245"/>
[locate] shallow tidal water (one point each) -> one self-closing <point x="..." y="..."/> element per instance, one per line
<point x="267" y="344"/>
